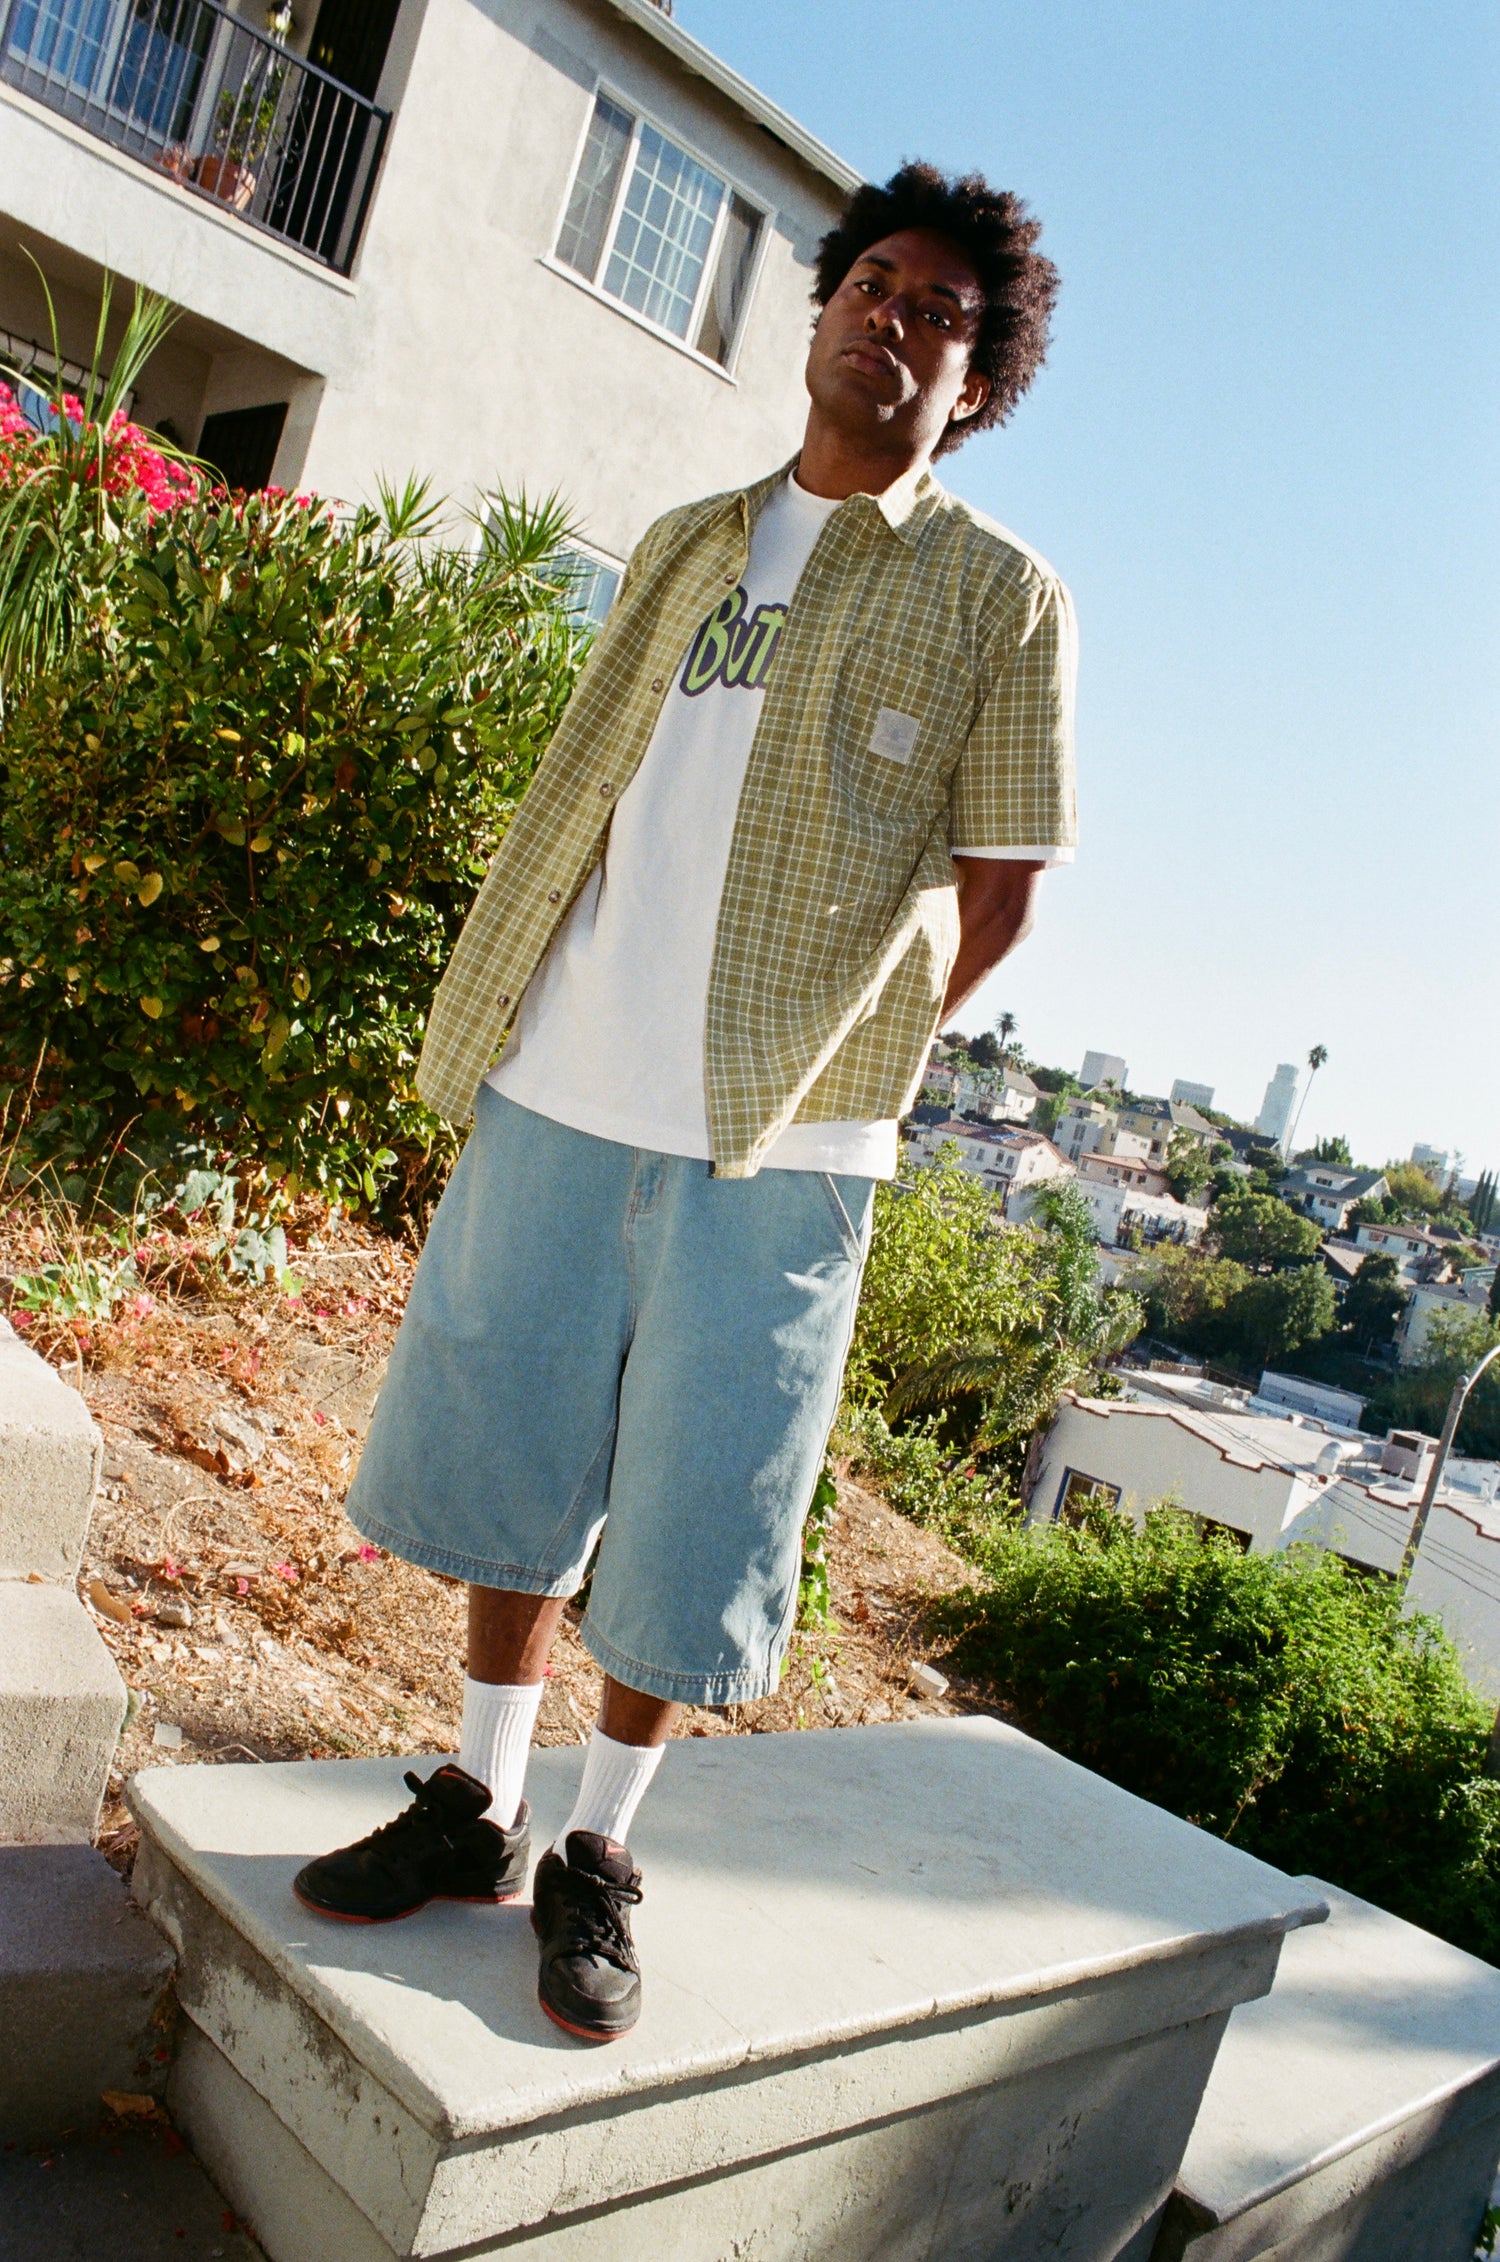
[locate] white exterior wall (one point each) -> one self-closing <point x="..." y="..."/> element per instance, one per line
<point x="1152" y="1456"/>
<point x="454" y="350"/>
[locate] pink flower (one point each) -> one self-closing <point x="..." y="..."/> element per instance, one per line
<point x="242" y="1586"/>
<point x="287" y="1571"/>
<point x="169" y="1569"/>
<point x="320" y="1418"/>
<point x="142" y="1306"/>
<point x="369" y="1554"/>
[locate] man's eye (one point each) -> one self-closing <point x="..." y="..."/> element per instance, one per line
<point x="943" y="321"/>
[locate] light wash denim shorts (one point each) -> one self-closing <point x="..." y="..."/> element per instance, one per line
<point x="605" y="1341"/>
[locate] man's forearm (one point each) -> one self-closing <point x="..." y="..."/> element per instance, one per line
<point x="996" y="905"/>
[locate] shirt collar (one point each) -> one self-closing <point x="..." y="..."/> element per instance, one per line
<point x="905" y="507"/>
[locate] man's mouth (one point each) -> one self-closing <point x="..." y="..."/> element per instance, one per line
<point x="877" y="359"/>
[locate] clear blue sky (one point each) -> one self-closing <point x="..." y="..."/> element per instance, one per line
<point x="1264" y="454"/>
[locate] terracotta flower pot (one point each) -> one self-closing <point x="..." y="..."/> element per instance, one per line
<point x="227" y="180"/>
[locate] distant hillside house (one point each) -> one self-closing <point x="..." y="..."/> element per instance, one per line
<point x="1326" y="1192"/>
<point x="1158" y="1122"/>
<point x="1014" y="1164"/>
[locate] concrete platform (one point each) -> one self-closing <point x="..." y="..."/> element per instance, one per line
<point x="81" y="1976"/>
<point x="1354" y="2113"/>
<point x="62" y="1705"/>
<point x="911" y="1991"/>
<point x="49" y="1464"/>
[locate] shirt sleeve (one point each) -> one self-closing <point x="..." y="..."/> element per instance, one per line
<point x="1013" y="789"/>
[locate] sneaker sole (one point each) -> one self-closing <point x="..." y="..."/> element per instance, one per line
<point x="584" y="2033"/>
<point x="398" y="1916"/>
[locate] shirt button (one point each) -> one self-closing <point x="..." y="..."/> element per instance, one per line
<point x="554" y="895"/>
<point x="730" y="579"/>
<point x="606" y="790"/>
<point x="658" y="683"/>
<point x="502" y="1000"/>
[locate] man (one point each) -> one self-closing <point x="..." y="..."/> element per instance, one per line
<point x="793" y="817"/>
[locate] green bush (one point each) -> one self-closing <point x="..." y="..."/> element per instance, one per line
<point x="242" y="818"/>
<point x="1280" y="1701"/>
<point x="960" y="1310"/>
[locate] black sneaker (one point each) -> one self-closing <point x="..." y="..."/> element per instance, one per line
<point x="437" y="1850"/>
<point x="588" y="1980"/>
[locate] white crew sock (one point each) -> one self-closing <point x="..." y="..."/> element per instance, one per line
<point x="615" y="1777"/>
<point x="499" y="1717"/>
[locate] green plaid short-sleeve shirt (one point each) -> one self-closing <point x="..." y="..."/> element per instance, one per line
<point x="921" y="699"/>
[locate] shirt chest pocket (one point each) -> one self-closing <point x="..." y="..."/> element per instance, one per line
<point x="897" y="727"/>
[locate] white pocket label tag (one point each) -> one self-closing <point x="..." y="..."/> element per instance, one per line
<point x="894" y="734"/>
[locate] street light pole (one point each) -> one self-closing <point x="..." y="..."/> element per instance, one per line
<point x="1461" y="1389"/>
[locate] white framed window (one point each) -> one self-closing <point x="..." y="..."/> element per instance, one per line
<point x="591" y="580"/>
<point x="650" y="224"/>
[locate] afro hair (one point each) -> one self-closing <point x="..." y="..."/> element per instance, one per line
<point x="997" y="234"/>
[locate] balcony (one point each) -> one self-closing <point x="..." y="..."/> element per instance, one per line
<point x="229" y="113"/>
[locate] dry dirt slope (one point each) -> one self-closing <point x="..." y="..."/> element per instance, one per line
<point x="251" y="1623"/>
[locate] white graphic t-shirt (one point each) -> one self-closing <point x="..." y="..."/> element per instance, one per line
<point x="610" y="1033"/>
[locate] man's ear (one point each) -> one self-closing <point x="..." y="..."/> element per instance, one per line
<point x="976" y="391"/>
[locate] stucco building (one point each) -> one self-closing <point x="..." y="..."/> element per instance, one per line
<point x="543" y="243"/>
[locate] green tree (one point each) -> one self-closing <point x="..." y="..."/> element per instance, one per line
<point x="984" y="1050"/>
<point x="1414" y="1193"/>
<point x="1189" y="1166"/>
<point x="1187" y="1294"/>
<point x="1005" y="1029"/>
<point x="1260" y="1231"/>
<point x="1315" y="1060"/>
<point x="1334" y="1149"/>
<point x="959" y="1309"/>
<point x="1278" y="1312"/>
<point x="1492" y="1306"/>
<point x="1374" y="1301"/>
<point x="1482" y="1202"/>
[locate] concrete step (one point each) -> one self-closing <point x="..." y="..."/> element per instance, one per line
<point x="1353" y="2114"/>
<point x="129" y="2193"/>
<point x="911" y="1991"/>
<point x="82" y="1976"/>
<point x="49" y="1465"/>
<point x="62" y="1706"/>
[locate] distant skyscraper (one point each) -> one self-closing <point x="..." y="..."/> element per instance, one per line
<point x="1102" y="1068"/>
<point x="1185" y="1094"/>
<point x="1276" y="1108"/>
<point x="1434" y="1160"/>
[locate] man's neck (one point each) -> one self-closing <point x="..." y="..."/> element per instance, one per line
<point x="834" y="465"/>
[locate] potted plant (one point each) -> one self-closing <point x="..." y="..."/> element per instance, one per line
<point x="244" y="121"/>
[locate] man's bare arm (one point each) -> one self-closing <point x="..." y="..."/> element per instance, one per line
<point x="996" y="905"/>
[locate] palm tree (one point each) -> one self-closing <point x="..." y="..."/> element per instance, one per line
<point x="1005" y="1029"/>
<point x="1315" y="1060"/>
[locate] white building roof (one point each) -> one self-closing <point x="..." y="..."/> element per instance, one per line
<point x="703" y="64"/>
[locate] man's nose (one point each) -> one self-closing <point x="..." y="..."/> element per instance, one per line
<point x="889" y="315"/>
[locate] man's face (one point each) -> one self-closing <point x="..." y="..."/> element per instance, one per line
<point x="890" y="355"/>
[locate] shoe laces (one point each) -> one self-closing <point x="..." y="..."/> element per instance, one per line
<point x="424" y="1815"/>
<point x="596" y="1920"/>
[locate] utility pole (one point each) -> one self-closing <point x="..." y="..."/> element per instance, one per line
<point x="1461" y="1389"/>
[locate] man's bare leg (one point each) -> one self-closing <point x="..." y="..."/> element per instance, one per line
<point x="510" y="1640"/>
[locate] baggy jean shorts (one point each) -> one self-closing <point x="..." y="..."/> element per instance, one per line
<point x="610" y="1348"/>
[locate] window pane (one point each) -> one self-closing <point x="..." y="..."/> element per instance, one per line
<point x="726" y="293"/>
<point x="590" y="584"/>
<point x="664" y="233"/>
<point x="581" y="240"/>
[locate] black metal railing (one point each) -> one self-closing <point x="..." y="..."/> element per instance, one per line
<point x="229" y="112"/>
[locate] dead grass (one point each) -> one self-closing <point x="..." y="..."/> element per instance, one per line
<point x="247" y="1617"/>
